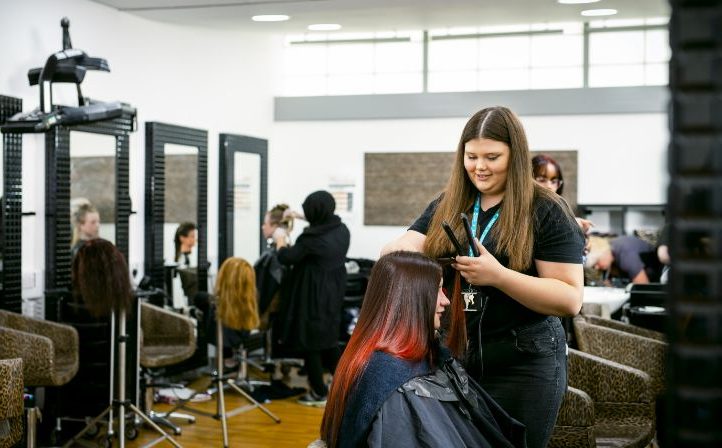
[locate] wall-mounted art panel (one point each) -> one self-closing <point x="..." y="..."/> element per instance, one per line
<point x="398" y="186"/>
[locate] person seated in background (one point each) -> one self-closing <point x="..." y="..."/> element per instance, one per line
<point x="548" y="173"/>
<point x="312" y="295"/>
<point x="86" y="226"/>
<point x="396" y="385"/>
<point x="663" y="253"/>
<point x="627" y="258"/>
<point x="269" y="271"/>
<point x="236" y="305"/>
<point x="184" y="241"/>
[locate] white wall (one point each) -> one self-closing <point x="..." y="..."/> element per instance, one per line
<point x="216" y="80"/>
<point x="223" y="81"/>
<point x="622" y="158"/>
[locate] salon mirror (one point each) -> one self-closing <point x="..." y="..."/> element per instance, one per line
<point x="180" y="197"/>
<point x="92" y="187"/>
<point x="246" y="205"/>
<point x="176" y="165"/>
<point x="243" y="189"/>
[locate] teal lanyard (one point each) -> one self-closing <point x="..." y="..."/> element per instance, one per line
<point x="475" y="222"/>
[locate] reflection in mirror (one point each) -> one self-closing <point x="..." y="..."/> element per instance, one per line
<point x="246" y="205"/>
<point x="92" y="187"/>
<point x="181" y="198"/>
<point x="180" y="220"/>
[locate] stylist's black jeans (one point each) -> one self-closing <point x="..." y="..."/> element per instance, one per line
<point x="525" y="371"/>
<point x="315" y="361"/>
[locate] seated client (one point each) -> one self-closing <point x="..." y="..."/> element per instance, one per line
<point x="395" y="385"/>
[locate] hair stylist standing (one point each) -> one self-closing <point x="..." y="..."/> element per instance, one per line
<point x="529" y="270"/>
<point x="312" y="295"/>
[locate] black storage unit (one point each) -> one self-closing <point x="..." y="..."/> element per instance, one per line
<point x="694" y="400"/>
<point x="11" y="213"/>
<point x="91" y="386"/>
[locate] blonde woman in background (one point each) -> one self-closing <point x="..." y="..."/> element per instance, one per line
<point x="86" y="226"/>
<point x="277" y="224"/>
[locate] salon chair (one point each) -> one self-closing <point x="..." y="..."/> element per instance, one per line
<point x="167" y="338"/>
<point x="49" y="352"/>
<point x="639" y="352"/>
<point x="11" y="401"/>
<point x="606" y="404"/>
<point x="627" y="328"/>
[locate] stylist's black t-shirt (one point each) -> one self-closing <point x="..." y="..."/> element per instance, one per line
<point x="557" y="238"/>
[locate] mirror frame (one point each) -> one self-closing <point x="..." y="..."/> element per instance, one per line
<point x="157" y="135"/>
<point x="228" y="146"/>
<point x="58" y="235"/>
<point x="12" y="209"/>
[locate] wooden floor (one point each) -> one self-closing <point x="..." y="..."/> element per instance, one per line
<point x="299" y="424"/>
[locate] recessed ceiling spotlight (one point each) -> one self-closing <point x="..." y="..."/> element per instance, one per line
<point x="324" y="27"/>
<point x="598" y="12"/>
<point x="576" y="2"/>
<point x="270" y="18"/>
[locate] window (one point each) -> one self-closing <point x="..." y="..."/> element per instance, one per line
<point x="628" y="57"/>
<point x="353" y="64"/>
<point x="533" y="57"/>
<point x="628" y="52"/>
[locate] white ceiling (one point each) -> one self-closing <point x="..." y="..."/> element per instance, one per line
<point x="375" y="15"/>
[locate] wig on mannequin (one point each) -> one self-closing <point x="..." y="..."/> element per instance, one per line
<point x="100" y="278"/>
<point x="236" y="295"/>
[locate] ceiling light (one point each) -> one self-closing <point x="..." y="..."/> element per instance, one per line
<point x="576" y="2"/>
<point x="598" y="12"/>
<point x="270" y="18"/>
<point x="324" y="27"/>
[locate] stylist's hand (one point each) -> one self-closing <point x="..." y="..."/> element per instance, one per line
<point x="293" y="214"/>
<point x="280" y="237"/>
<point x="482" y="270"/>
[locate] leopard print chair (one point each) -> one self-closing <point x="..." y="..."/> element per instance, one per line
<point x="11" y="401"/>
<point x="643" y="353"/>
<point x="607" y="404"/>
<point x="575" y="423"/>
<point x="621" y="326"/>
<point x="49" y="350"/>
<point x="167" y="338"/>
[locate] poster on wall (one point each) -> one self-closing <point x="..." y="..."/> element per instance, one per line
<point x="342" y="190"/>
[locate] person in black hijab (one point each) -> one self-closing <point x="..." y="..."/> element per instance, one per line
<point x="313" y="293"/>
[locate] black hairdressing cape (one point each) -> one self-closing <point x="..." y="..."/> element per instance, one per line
<point x="403" y="404"/>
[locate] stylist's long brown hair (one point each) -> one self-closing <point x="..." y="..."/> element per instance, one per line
<point x="514" y="231"/>
<point x="397" y="317"/>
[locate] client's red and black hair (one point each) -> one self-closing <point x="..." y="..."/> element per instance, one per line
<point x="397" y="317"/>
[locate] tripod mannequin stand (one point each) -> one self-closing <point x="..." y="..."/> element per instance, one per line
<point x="120" y="400"/>
<point x="218" y="381"/>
